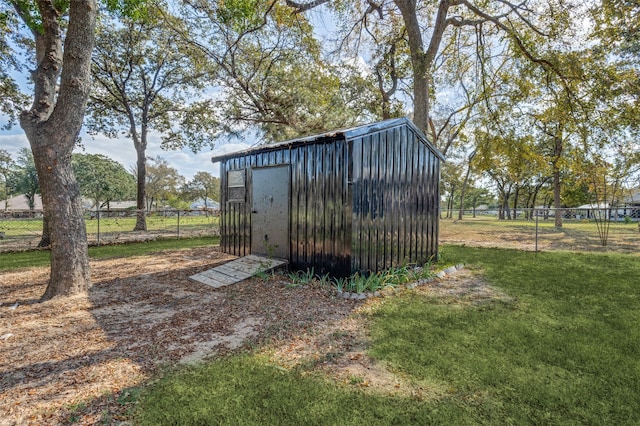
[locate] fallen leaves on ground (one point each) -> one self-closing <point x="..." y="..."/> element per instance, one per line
<point x="74" y="360"/>
<point x="71" y="359"/>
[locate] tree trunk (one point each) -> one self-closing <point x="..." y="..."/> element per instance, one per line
<point x="556" y="197"/>
<point x="421" y="59"/>
<point x="506" y="208"/>
<point x="418" y="63"/>
<point x="450" y="203"/>
<point x="52" y="126"/>
<point x="528" y="208"/>
<point x="558" y="148"/>
<point x="464" y="185"/>
<point x="45" y="241"/>
<point x="141" y="221"/>
<point x="69" y="256"/>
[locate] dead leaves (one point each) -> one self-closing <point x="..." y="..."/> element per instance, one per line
<point x="70" y="360"/>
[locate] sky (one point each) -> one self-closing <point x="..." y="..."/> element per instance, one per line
<point x="186" y="162"/>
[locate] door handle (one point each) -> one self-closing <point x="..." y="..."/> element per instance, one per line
<point x="254" y="211"/>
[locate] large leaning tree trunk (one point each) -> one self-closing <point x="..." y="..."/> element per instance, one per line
<point x="52" y="126"/>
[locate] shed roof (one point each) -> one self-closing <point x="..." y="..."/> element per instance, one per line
<point x="340" y="134"/>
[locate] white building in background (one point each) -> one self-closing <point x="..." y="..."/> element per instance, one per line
<point x="20" y="202"/>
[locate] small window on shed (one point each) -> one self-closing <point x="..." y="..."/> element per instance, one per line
<point x="236" y="186"/>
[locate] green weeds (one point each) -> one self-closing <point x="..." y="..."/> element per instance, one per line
<point x="301" y="278"/>
<point x="361" y="283"/>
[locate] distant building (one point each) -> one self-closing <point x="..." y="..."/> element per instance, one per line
<point x="112" y="205"/>
<point x="631" y="204"/>
<point x="201" y="203"/>
<point x="20" y="203"/>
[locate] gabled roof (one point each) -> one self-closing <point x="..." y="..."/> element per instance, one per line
<point x="340" y="134"/>
<point x="592" y="206"/>
<point x="19" y="202"/>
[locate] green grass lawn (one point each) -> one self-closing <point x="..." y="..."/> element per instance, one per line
<point x="30" y="227"/>
<point x="565" y="349"/>
<point x="25" y="259"/>
<point x="580" y="235"/>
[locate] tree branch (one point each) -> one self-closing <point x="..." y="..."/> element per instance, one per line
<point x="303" y="7"/>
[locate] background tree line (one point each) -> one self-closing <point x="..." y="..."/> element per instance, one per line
<point x="102" y="181"/>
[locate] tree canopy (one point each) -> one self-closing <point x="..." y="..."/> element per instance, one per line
<point x="102" y="179"/>
<point x="269" y="71"/>
<point x="23" y="177"/>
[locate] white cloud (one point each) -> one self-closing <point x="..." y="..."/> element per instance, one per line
<point x="12" y="142"/>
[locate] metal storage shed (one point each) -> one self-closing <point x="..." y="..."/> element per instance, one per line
<point x="362" y="199"/>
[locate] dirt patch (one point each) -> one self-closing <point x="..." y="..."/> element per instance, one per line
<point x="338" y="348"/>
<point x="521" y="235"/>
<point x="71" y="360"/>
<point x="466" y="287"/>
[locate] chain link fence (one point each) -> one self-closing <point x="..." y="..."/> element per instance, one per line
<point x="610" y="229"/>
<point x="20" y="230"/>
<point x="525" y="229"/>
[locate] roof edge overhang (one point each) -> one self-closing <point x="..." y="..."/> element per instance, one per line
<point x="341" y="134"/>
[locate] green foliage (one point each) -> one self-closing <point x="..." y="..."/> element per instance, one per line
<point x="24" y="178"/>
<point x="271" y="73"/>
<point x="30" y="15"/>
<point x="241" y="15"/>
<point x="324" y="280"/>
<point x="340" y="283"/>
<point x="393" y="277"/>
<point x="133" y="9"/>
<point x="17" y="47"/>
<point x="360" y="283"/>
<point x="163" y="182"/>
<point x="102" y="179"/>
<point x="617" y="25"/>
<point x="203" y="186"/>
<point x="317" y="101"/>
<point x="6" y="168"/>
<point x="146" y="76"/>
<point x="301" y="278"/>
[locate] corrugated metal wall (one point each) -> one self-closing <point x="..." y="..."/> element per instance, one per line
<point x="364" y="204"/>
<point x="320" y="206"/>
<point x="395" y="200"/>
